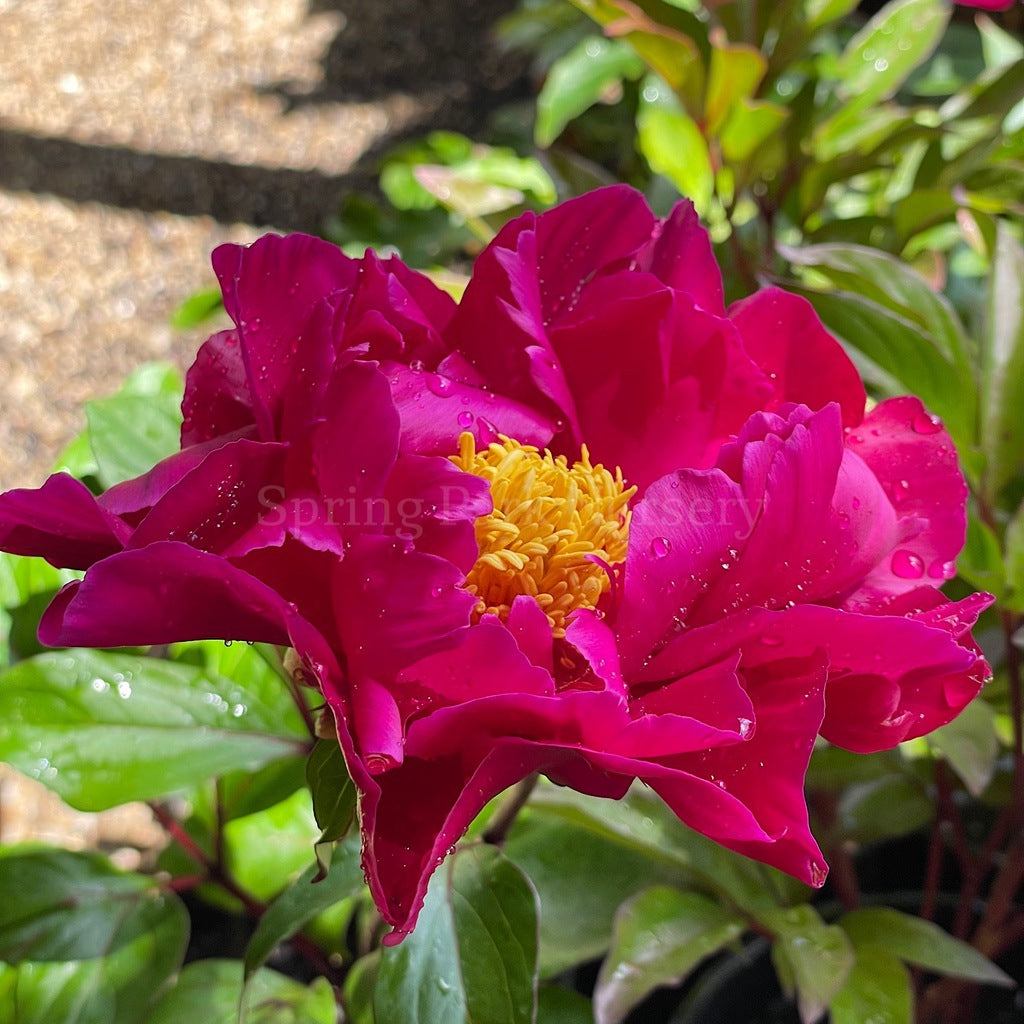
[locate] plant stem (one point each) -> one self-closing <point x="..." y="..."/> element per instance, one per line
<point x="271" y="656"/>
<point x="498" y="828"/>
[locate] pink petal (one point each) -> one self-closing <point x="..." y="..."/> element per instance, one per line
<point x="217" y="398"/>
<point x="165" y="593"/>
<point x="784" y="336"/>
<point x="915" y="461"/>
<point x="270" y="290"/>
<point x="61" y="522"/>
<point x="395" y="606"/>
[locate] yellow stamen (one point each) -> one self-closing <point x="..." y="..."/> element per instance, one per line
<point x="548" y="517"/>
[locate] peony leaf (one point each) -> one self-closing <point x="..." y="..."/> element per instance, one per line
<point x="1002" y="374"/>
<point x="473" y="956"/>
<point x="209" y="992"/>
<point x="660" y="936"/>
<point x="921" y="943"/>
<point x="82" y="942"/>
<point x="583" y="77"/>
<point x="817" y="958"/>
<point x="674" y="146"/>
<point x="877" y="60"/>
<point x="101" y="729"/>
<point x="877" y="989"/>
<point x="303" y="900"/>
<point x="969" y="743"/>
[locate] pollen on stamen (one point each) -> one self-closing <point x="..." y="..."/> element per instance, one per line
<point x="549" y="517"/>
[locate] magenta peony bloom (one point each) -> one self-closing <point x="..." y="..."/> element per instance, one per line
<point x="362" y="478"/>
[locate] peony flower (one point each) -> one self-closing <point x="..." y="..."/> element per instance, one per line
<point x="644" y="536"/>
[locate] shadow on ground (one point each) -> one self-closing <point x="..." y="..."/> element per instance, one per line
<point x="433" y="48"/>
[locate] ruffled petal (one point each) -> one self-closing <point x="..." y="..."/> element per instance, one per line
<point x="394" y="606"/>
<point x="270" y="289"/>
<point x="162" y="594"/>
<point x="61" y="522"/>
<point x="784" y="336"/>
<point x="217" y="397"/>
<point x="915" y="461"/>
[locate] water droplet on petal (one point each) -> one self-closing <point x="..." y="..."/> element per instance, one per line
<point x="907" y="565"/>
<point x="940" y="570"/>
<point x="660" y="547"/>
<point x="465" y="419"/>
<point x="925" y="423"/>
<point x="771" y="641"/>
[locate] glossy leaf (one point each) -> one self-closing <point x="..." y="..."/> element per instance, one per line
<point x="748" y="126"/>
<point x="880" y="57"/>
<point x="584" y="76"/>
<point x="140" y="425"/>
<point x="921" y="943"/>
<point x="666" y="37"/>
<point x="332" y="790"/>
<point x="1015" y="561"/>
<point x="472" y="958"/>
<point x="198" y="308"/>
<point x="1002" y="362"/>
<point x="303" y="900"/>
<point x="981" y="561"/>
<point x="557" y="1005"/>
<point x="816" y="956"/>
<point x="900" y="357"/>
<point x="891" y="806"/>
<point x="210" y="992"/>
<point x="735" y="73"/>
<point x="878" y="988"/>
<point x="102" y="729"/>
<point x="82" y="942"/>
<point x="674" y="146"/>
<point x="660" y="936"/>
<point x="970" y="745"/>
<point x="267" y="851"/>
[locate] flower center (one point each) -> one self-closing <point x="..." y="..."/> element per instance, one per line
<point x="552" y="527"/>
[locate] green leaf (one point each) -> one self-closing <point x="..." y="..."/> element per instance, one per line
<point x="332" y="790"/>
<point x="660" y="936"/>
<point x="891" y="283"/>
<point x="877" y="989"/>
<point x="667" y="38"/>
<point x="921" y="943"/>
<point x="81" y="941"/>
<point x="820" y="13"/>
<point x="1014" y="600"/>
<point x="891" y="806"/>
<point x="561" y="1006"/>
<point x="210" y="991"/>
<point x="102" y="729"/>
<point x="358" y="989"/>
<point x="303" y="900"/>
<point x="899" y="357"/>
<point x="642" y="823"/>
<point x="981" y="561"/>
<point x="735" y="73"/>
<point x="878" y="59"/>
<point x="818" y="958"/>
<point x="749" y="125"/>
<point x="140" y="425"/>
<point x="576" y="920"/>
<point x="472" y="958"/>
<point x="969" y="743"/>
<point x="197" y="309"/>
<point x="584" y="76"/>
<point x="1002" y="368"/>
<point x="674" y="146"/>
<point x="267" y="851"/>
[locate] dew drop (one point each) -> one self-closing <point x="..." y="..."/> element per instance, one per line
<point x="660" y="547"/>
<point x="907" y="565"/>
<point x="925" y="423"/>
<point x="465" y="419"/>
<point x="940" y="570"/>
<point x="771" y="641"/>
